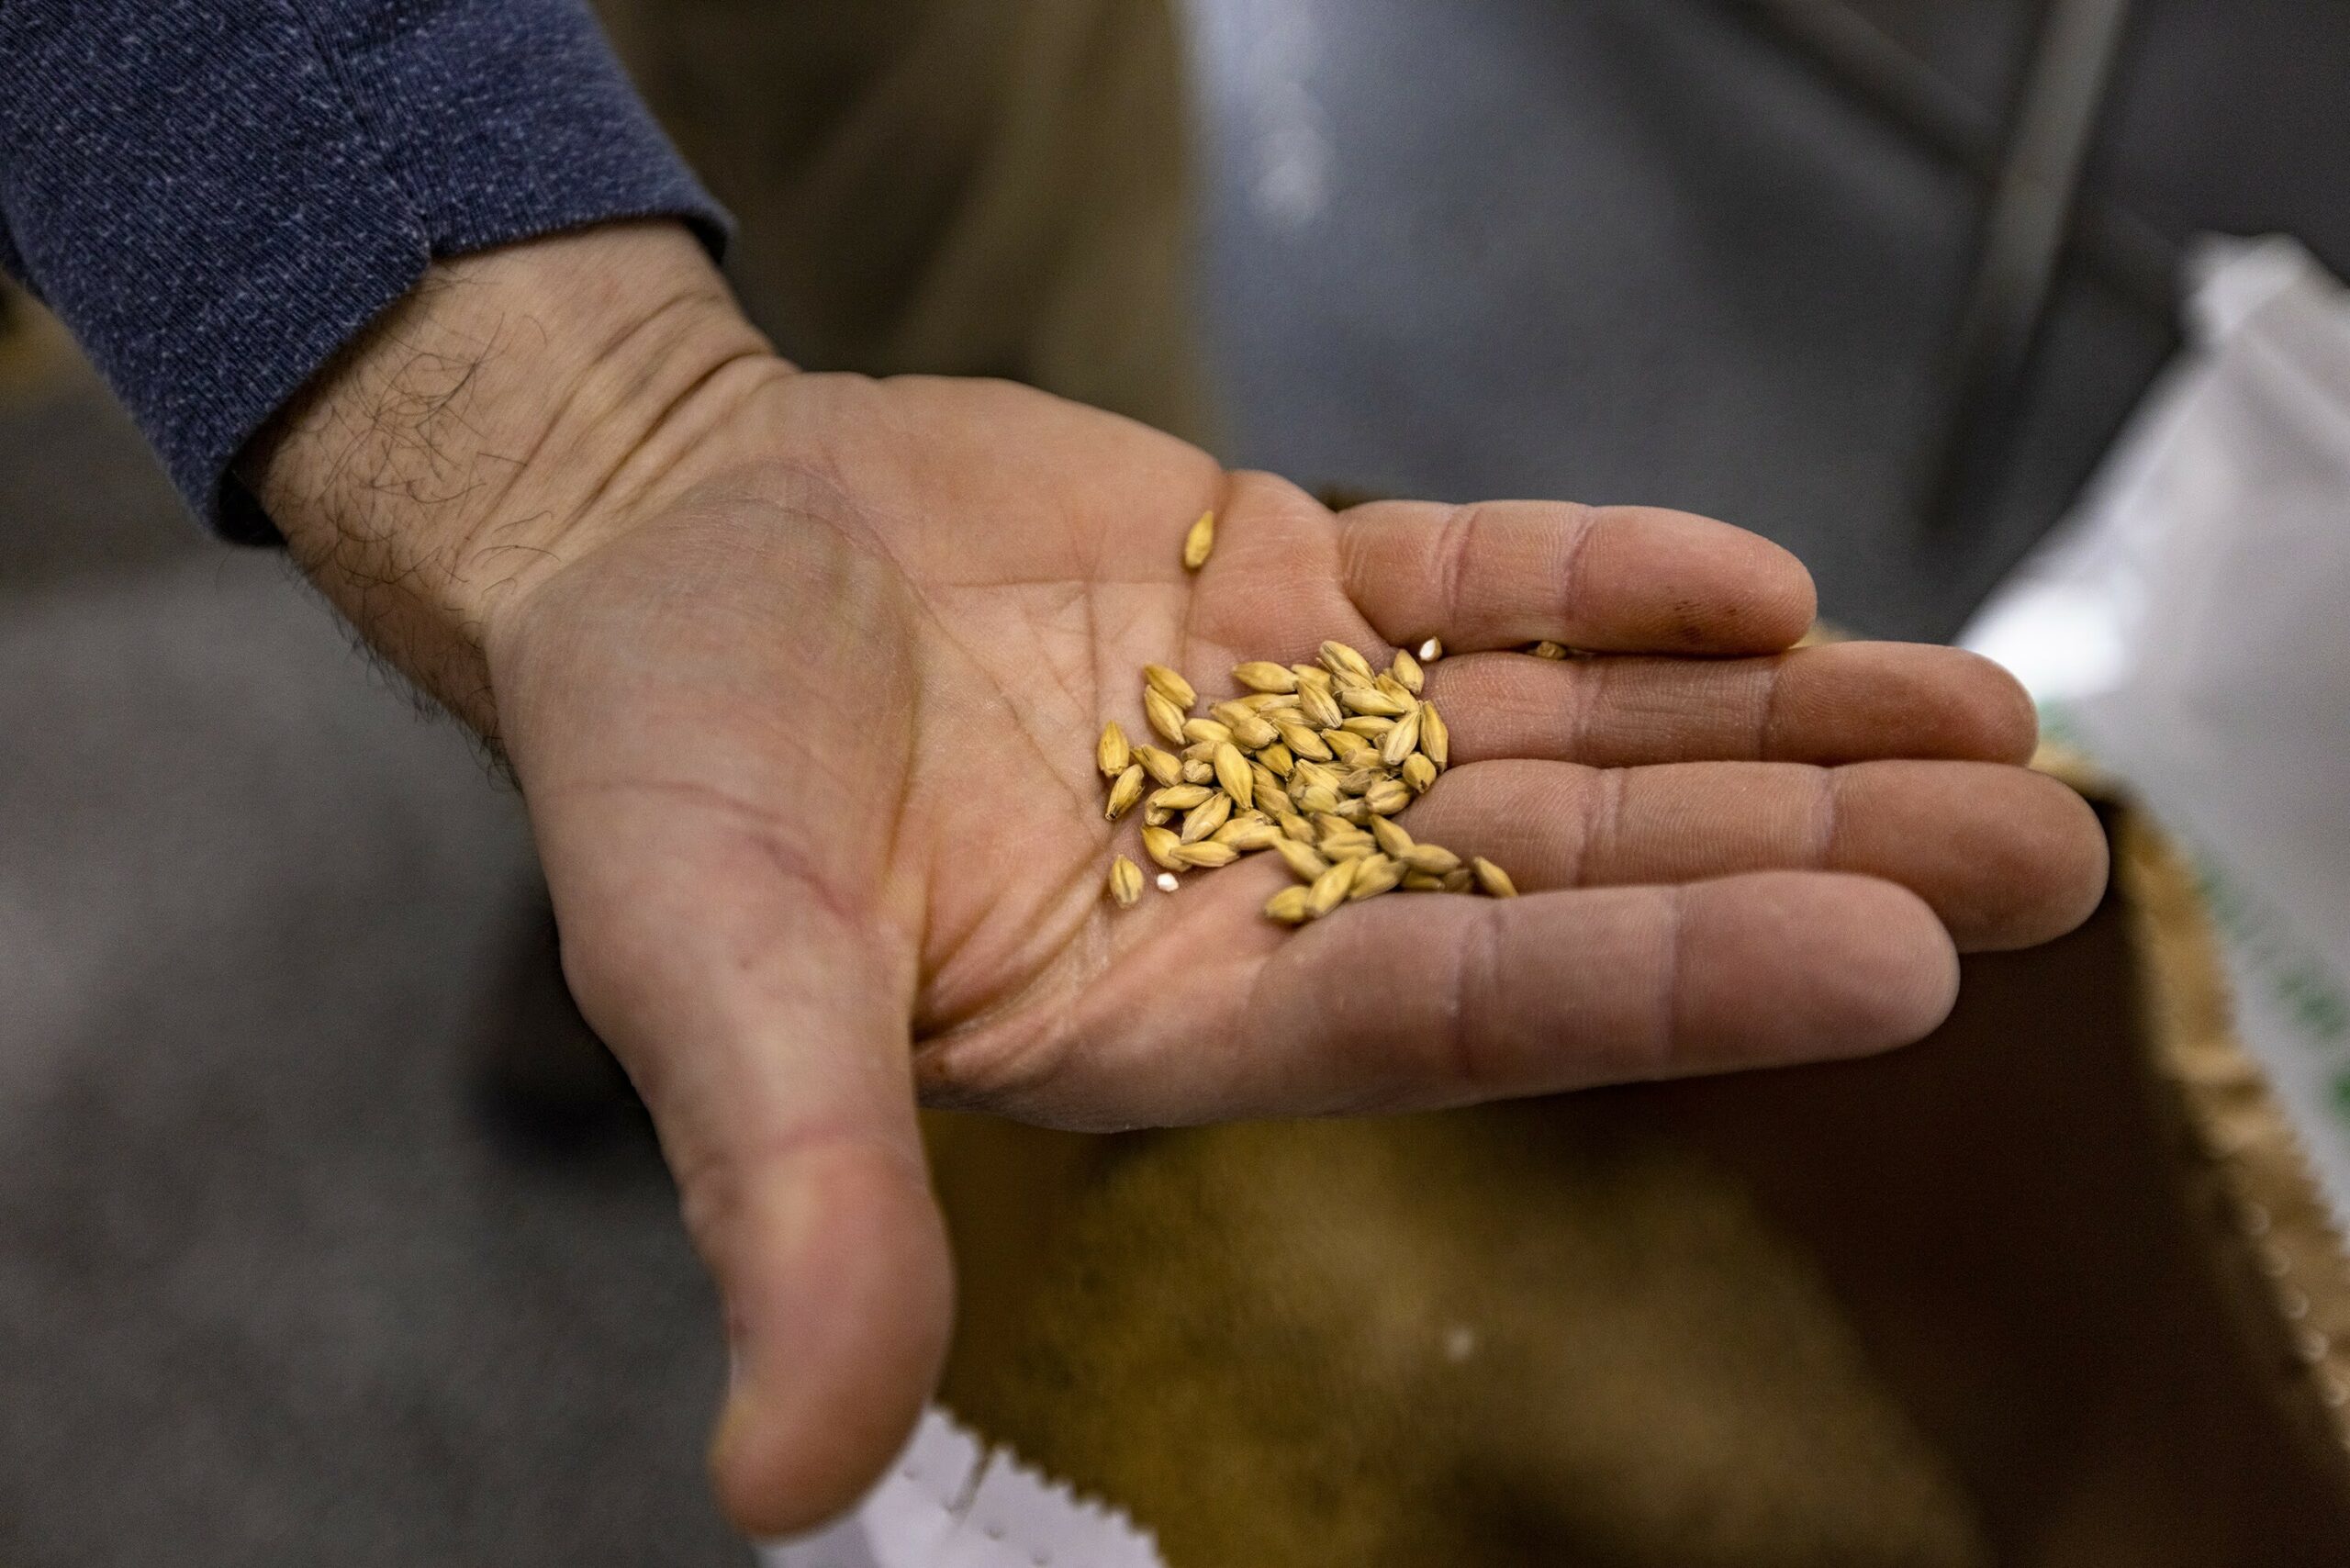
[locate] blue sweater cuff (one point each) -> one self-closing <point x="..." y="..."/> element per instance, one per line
<point x="216" y="195"/>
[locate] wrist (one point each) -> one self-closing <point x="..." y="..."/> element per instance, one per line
<point x="515" y="408"/>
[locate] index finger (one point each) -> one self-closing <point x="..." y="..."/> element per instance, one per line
<point x="1614" y="580"/>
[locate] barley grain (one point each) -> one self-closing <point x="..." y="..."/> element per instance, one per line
<point x="1407" y="673"/>
<point x="1436" y="739"/>
<point x="1419" y="772"/>
<point x="1262" y="674"/>
<point x="1125" y="882"/>
<point x="1374" y="876"/>
<point x="1493" y="879"/>
<point x="1199" y="542"/>
<point x="1329" y="890"/>
<point x="1290" y="906"/>
<point x="1181" y="797"/>
<point x="1302" y="861"/>
<point x="1111" y="753"/>
<point x="1206" y="855"/>
<point x="1393" y="840"/>
<point x="1232" y="772"/>
<point x="1204" y="819"/>
<point x="1169" y="685"/>
<point x="1124" y="792"/>
<point x="1160" y="844"/>
<point x="1164" y="767"/>
<point x="1165" y="714"/>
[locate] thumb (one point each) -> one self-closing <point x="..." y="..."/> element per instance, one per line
<point x="766" y="1027"/>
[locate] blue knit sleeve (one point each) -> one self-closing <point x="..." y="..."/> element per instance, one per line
<point x="217" y="195"/>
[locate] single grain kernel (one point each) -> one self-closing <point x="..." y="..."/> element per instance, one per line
<point x="1302" y="861"/>
<point x="1277" y="758"/>
<point x="1165" y="714"/>
<point x="1206" y="855"/>
<point x="1199" y="542"/>
<point x="1204" y="819"/>
<point x="1262" y="674"/>
<point x="1124" y="792"/>
<point x="1393" y="840"/>
<point x="1547" y="650"/>
<point x="1370" y="700"/>
<point x="1205" y="732"/>
<point x="1160" y="844"/>
<point x="1493" y="879"/>
<point x="1111" y="753"/>
<point x="1199" y="772"/>
<point x="1340" y="660"/>
<point x="1181" y="797"/>
<point x="1303" y="742"/>
<point x="1431" y="860"/>
<point x="1320" y="706"/>
<point x="1329" y="890"/>
<point x="1125" y="882"/>
<point x="1403" y="740"/>
<point x="1388" y="796"/>
<point x="1421" y="882"/>
<point x="1290" y="906"/>
<point x="1164" y="767"/>
<point x="1369" y="726"/>
<point x="1232" y="772"/>
<point x="1407" y="673"/>
<point x="1460" y="880"/>
<point x="1419" y="771"/>
<point x="1255" y="732"/>
<point x="1169" y="685"/>
<point x="1249" y="838"/>
<point x="1373" y="876"/>
<point x="1431" y="650"/>
<point x="1435" y="738"/>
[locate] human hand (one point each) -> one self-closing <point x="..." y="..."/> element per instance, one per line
<point x="801" y="676"/>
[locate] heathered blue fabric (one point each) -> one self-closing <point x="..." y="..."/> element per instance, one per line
<point x="217" y="195"/>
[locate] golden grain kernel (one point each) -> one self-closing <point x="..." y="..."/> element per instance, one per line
<point x="1393" y="686"/>
<point x="1295" y="827"/>
<point x="1263" y="675"/>
<point x="1461" y="881"/>
<point x="1319" y="798"/>
<point x="1263" y="701"/>
<point x="1493" y="879"/>
<point x="1393" y="840"/>
<point x="1199" y="773"/>
<point x="1547" y="650"/>
<point x="1358" y="848"/>
<point x="1277" y="758"/>
<point x="1435" y="738"/>
<point x="1421" y="882"/>
<point x="1155" y="816"/>
<point x="1329" y="890"/>
<point x="1370" y="700"/>
<point x="1203" y="820"/>
<point x="1403" y="740"/>
<point x="1320" y="706"/>
<point x="1225" y="712"/>
<point x="1374" y="876"/>
<point x="1181" y="797"/>
<point x="1124" y="792"/>
<point x="1248" y="837"/>
<point x="1164" y="767"/>
<point x="1268" y="784"/>
<point x="1349" y="748"/>
<point x="1206" y="855"/>
<point x="1165" y="714"/>
<point x="1327" y="824"/>
<point x="1111" y="753"/>
<point x="1356" y="812"/>
<point x="1387" y="797"/>
<point x="1300" y="860"/>
<point x="1171" y="686"/>
<point x="1126" y="882"/>
<point x="1369" y="726"/>
<point x="1255" y="732"/>
<point x="1407" y="673"/>
<point x="1303" y="742"/>
<point x="1160" y="844"/>
<point x="1339" y="658"/>
<point x="1199" y="542"/>
<point x="1431" y="650"/>
<point x="1232" y="772"/>
<point x="1433" y="859"/>
<point x="1290" y="906"/>
<point x="1419" y="772"/>
<point x="1205" y="732"/>
<point x="1198" y="751"/>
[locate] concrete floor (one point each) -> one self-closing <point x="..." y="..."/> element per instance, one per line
<point x="273" y="1290"/>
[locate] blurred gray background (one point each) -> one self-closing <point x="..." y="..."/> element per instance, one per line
<point x="273" y="1286"/>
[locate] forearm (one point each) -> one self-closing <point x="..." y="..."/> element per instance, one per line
<point x="511" y="409"/>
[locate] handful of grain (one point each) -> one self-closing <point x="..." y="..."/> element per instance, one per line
<point x="1309" y="764"/>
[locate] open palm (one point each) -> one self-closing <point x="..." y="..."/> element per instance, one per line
<point x="809" y="744"/>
